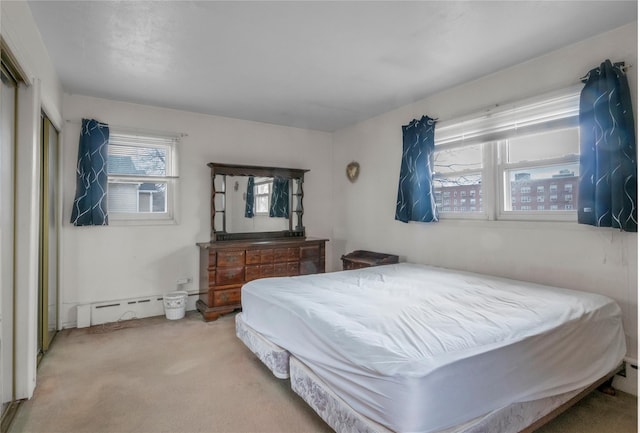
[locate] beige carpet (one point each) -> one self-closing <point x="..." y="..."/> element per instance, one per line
<point x="186" y="376"/>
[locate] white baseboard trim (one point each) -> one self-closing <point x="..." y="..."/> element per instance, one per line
<point x="98" y="313"/>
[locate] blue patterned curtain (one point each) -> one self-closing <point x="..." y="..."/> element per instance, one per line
<point x="249" y="207"/>
<point x="279" y="198"/>
<point x="416" y="201"/>
<point x="607" y="194"/>
<point x="90" y="203"/>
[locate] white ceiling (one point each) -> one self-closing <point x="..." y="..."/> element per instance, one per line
<point x="317" y="65"/>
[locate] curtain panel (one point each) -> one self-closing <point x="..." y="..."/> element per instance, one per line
<point x="279" y="198"/>
<point x="249" y="207"/>
<point x="607" y="192"/>
<point x="90" y="203"/>
<point x="416" y="199"/>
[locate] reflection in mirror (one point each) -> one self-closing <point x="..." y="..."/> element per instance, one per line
<point x="236" y="196"/>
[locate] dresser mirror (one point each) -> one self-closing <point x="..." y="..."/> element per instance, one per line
<point x="255" y="202"/>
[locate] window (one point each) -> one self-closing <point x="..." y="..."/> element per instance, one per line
<point x="509" y="154"/>
<point x="457" y="168"/>
<point x="141" y="177"/>
<point x="540" y="158"/>
<point x="262" y="192"/>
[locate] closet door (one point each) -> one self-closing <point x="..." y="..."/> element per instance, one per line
<point x="48" y="296"/>
<point x="7" y="240"/>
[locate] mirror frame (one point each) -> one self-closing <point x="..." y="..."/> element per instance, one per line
<point x="218" y="169"/>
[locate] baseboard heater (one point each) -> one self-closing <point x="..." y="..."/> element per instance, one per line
<point x="125" y="309"/>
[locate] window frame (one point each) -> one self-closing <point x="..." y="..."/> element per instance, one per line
<point x="154" y="141"/>
<point x="492" y="129"/>
<point x="504" y="168"/>
<point x="269" y="184"/>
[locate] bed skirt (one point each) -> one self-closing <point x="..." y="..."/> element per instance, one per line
<point x="271" y="355"/>
<point x="515" y="418"/>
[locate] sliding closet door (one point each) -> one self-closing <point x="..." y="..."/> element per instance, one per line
<point x="48" y="296"/>
<point x="7" y="242"/>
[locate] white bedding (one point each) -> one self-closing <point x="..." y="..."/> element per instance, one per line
<point x="419" y="349"/>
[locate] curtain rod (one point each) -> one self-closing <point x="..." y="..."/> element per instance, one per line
<point x="134" y="130"/>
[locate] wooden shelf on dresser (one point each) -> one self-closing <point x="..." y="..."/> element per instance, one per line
<point x="226" y="265"/>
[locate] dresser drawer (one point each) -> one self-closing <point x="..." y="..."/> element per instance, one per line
<point x="252" y="257"/>
<point x="258" y="271"/>
<point x="280" y="270"/>
<point x="286" y="254"/>
<point x="310" y="252"/>
<point x="266" y="256"/>
<point x="226" y="297"/>
<point x="230" y="258"/>
<point x="229" y="275"/>
<point x="293" y="268"/>
<point x="251" y="272"/>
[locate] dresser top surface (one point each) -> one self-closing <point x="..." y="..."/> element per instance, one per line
<point x="260" y="242"/>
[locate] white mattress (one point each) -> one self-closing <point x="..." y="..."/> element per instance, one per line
<point x="419" y="349"/>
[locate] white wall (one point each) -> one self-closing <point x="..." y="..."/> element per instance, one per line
<point x="119" y="262"/>
<point x="562" y="254"/>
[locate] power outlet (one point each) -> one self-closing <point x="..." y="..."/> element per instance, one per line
<point x="183" y="280"/>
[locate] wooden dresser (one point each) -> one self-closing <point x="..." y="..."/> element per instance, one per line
<point x="226" y="265"/>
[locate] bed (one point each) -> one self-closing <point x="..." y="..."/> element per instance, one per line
<point x="415" y="348"/>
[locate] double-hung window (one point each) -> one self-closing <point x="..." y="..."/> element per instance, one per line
<point x="262" y="193"/>
<point x="142" y="173"/>
<point x="512" y="160"/>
